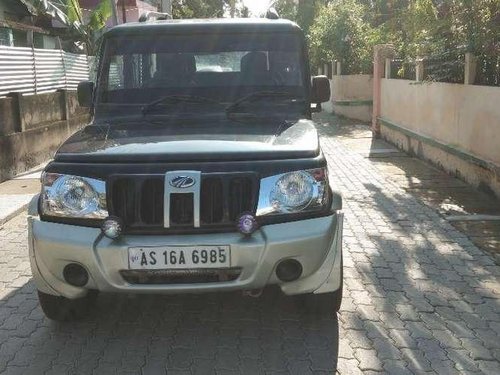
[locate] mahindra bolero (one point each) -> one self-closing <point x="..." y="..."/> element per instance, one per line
<point x="200" y="171"/>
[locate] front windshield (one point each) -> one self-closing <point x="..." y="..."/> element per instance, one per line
<point x="139" y="70"/>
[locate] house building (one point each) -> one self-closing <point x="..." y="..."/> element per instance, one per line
<point x="22" y="26"/>
<point x="126" y="10"/>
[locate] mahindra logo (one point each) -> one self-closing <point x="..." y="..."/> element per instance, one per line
<point x="182" y="182"/>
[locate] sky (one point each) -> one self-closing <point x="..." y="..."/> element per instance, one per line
<point x="257" y="6"/>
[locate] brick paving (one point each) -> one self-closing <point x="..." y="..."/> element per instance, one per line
<point x="419" y="298"/>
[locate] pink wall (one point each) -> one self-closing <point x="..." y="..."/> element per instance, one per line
<point x="133" y="10"/>
<point x="466" y="117"/>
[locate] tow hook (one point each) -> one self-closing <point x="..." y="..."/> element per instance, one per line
<point x="255" y="293"/>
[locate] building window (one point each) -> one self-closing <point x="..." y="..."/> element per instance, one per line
<point x="5" y="36"/>
<point x="38" y="40"/>
<point x="20" y="38"/>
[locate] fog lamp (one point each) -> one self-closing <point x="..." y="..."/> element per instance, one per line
<point x="247" y="224"/>
<point x="75" y="274"/>
<point x="112" y="227"/>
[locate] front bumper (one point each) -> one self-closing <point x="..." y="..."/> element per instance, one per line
<point x="315" y="243"/>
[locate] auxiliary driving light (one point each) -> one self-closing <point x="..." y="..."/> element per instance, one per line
<point x="112" y="227"/>
<point x="247" y="224"/>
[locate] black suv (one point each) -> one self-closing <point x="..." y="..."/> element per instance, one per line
<point x="201" y="171"/>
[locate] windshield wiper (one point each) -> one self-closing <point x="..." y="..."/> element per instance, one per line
<point x="177" y="99"/>
<point x="260" y="95"/>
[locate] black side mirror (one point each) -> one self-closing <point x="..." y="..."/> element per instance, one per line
<point x="85" y="92"/>
<point x="320" y="91"/>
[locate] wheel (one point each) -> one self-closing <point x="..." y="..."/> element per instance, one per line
<point x="63" y="309"/>
<point x="323" y="305"/>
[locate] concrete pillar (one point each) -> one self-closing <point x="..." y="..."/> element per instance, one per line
<point x="388" y="63"/>
<point x="339" y="68"/>
<point x="470" y="69"/>
<point x="380" y="53"/>
<point x="64" y="103"/>
<point x="325" y="70"/>
<point x="17" y="103"/>
<point x="319" y="70"/>
<point x="166" y="6"/>
<point x="419" y="70"/>
<point x="30" y="38"/>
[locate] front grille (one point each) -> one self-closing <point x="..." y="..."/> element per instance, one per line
<point x="139" y="201"/>
<point x="181" y="209"/>
<point x="241" y="192"/>
<point x="151" y="193"/>
<point x="212" y="200"/>
<point x="188" y="276"/>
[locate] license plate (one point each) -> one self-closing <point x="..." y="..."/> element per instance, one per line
<point x="171" y="257"/>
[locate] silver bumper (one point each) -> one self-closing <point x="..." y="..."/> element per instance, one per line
<point x="315" y="243"/>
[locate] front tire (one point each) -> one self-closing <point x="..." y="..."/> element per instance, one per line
<point x="63" y="309"/>
<point x="322" y="305"/>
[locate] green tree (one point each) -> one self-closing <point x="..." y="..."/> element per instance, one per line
<point x="304" y="12"/>
<point x="340" y="32"/>
<point x="205" y="8"/>
<point x="70" y="13"/>
<point x="244" y="12"/>
<point x="286" y="9"/>
<point x="443" y="30"/>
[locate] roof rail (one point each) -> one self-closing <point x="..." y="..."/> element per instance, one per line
<point x="272" y="14"/>
<point x="146" y="16"/>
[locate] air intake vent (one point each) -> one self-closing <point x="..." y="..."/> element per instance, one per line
<point x="194" y="276"/>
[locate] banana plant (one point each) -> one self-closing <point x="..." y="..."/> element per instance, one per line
<point x="70" y="13"/>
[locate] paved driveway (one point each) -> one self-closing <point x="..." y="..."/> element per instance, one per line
<point x="419" y="298"/>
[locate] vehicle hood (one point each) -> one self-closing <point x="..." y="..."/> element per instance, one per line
<point x="191" y="141"/>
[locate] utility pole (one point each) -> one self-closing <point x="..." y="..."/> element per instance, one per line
<point x="124" y="13"/>
<point x="166" y="6"/>
<point x="113" y="9"/>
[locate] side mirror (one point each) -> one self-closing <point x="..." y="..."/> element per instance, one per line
<point x="320" y="91"/>
<point x="85" y="92"/>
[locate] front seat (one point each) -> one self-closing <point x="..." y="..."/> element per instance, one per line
<point x="253" y="67"/>
<point x="174" y="70"/>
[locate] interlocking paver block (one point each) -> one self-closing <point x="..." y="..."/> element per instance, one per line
<point x="348" y="367"/>
<point x="420" y="297"/>
<point x="368" y="359"/>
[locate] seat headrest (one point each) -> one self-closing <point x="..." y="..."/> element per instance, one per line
<point x="182" y="64"/>
<point x="254" y="62"/>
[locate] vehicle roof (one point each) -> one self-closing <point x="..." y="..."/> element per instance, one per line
<point x="202" y="26"/>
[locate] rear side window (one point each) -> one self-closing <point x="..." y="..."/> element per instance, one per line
<point x="219" y="62"/>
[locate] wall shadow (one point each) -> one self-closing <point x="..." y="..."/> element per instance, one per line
<point x="431" y="291"/>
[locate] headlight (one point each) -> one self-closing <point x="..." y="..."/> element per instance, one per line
<point x="293" y="192"/>
<point x="73" y="196"/>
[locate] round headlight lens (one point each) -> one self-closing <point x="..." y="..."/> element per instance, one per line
<point x="293" y="191"/>
<point x="77" y="195"/>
